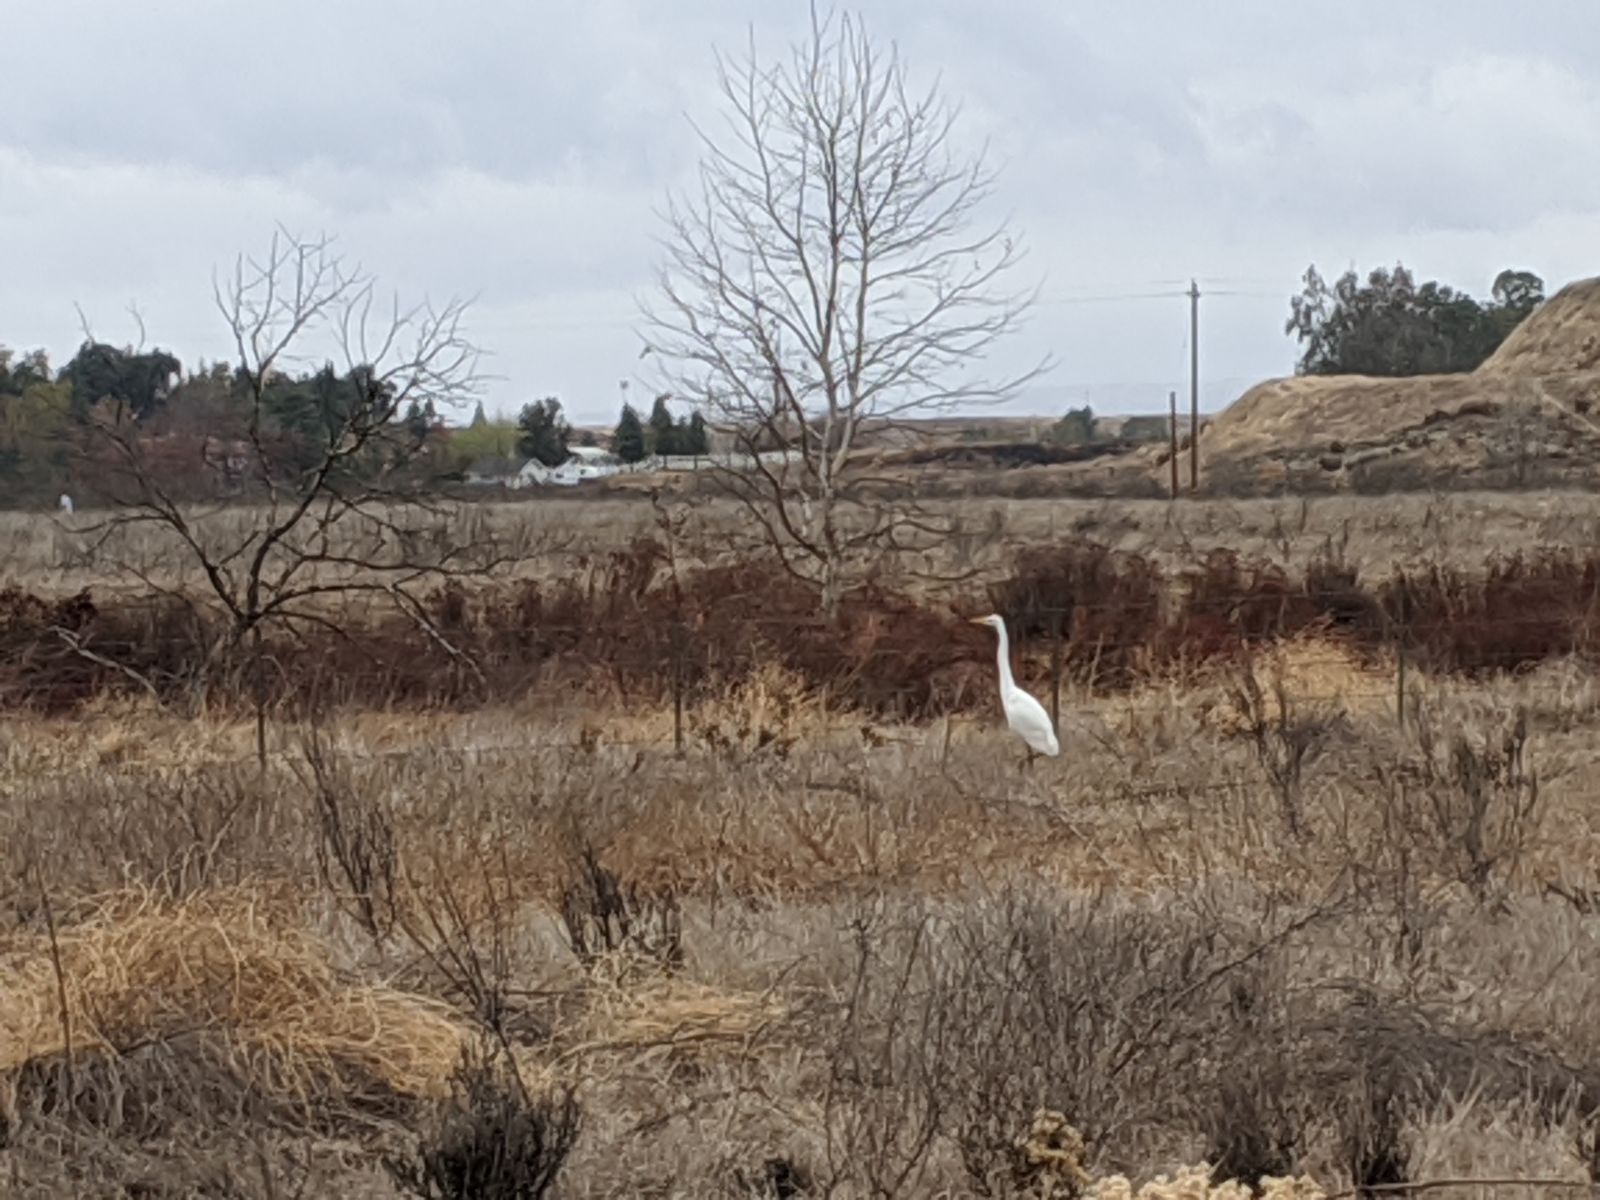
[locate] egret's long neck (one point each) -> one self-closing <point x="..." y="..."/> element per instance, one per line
<point x="1003" y="655"/>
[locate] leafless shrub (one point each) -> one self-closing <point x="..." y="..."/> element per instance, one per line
<point x="885" y="1089"/>
<point x="1285" y="738"/>
<point x="356" y="854"/>
<point x="1259" y="1116"/>
<point x="329" y="525"/>
<point x="493" y="1140"/>
<point x="778" y="1179"/>
<point x="1089" y="1006"/>
<point x="958" y="1028"/>
<point x="1477" y="804"/>
<point x="463" y="928"/>
<point x="1371" y="1120"/>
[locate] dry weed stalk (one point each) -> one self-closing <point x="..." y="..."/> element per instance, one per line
<point x="1476" y="806"/>
<point x="1285" y="739"/>
<point x="356" y="852"/>
<point x="612" y="925"/>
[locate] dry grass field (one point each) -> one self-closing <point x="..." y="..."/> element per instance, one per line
<point x="819" y="931"/>
<point x="554" y="537"/>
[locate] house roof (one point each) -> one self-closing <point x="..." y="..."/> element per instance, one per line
<point x="592" y="454"/>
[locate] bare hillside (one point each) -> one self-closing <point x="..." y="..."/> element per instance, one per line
<point x="1526" y="415"/>
<point x="1563" y="336"/>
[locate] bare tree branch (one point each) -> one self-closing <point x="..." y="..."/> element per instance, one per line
<point x="330" y="520"/>
<point x="825" y="282"/>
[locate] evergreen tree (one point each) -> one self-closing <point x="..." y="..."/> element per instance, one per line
<point x="663" y="436"/>
<point x="418" y="421"/>
<point x="1074" y="429"/>
<point x="627" y="442"/>
<point x="695" y="439"/>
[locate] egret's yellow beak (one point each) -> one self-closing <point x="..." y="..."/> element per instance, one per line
<point x="977" y="620"/>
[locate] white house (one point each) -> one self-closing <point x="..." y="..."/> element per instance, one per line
<point x="585" y="463"/>
<point x="534" y="474"/>
<point x="492" y="470"/>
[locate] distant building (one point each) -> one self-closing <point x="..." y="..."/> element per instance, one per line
<point x="534" y="474"/>
<point x="585" y="463"/>
<point x="492" y="470"/>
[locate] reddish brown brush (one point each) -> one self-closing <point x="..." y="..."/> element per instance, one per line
<point x="630" y="624"/>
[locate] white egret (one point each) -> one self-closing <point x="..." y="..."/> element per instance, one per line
<point x="1026" y="716"/>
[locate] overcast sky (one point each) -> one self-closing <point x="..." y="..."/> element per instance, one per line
<point x="518" y="151"/>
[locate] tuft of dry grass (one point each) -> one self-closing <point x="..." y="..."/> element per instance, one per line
<point x="132" y="970"/>
<point x="631" y="1015"/>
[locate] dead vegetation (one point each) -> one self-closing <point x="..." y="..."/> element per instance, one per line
<point x="634" y="631"/>
<point x="499" y="931"/>
<point x="734" y="974"/>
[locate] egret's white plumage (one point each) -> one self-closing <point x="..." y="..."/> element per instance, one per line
<point x="1026" y="716"/>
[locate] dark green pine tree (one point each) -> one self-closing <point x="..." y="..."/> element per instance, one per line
<point x="627" y="440"/>
<point x="695" y="439"/>
<point x="663" y="433"/>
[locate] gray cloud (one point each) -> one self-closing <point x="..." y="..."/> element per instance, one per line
<point x="517" y="151"/>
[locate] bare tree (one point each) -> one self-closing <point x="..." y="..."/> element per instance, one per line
<point x="825" y="284"/>
<point x="332" y="516"/>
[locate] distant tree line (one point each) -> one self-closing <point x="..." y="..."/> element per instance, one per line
<point x="634" y="440"/>
<point x="189" y="420"/>
<point x="544" y="434"/>
<point x="192" y="424"/>
<point x="1390" y="325"/>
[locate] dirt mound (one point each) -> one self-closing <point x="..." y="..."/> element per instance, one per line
<point x="1562" y="336"/>
<point x="1523" y="418"/>
<point x="1333" y="412"/>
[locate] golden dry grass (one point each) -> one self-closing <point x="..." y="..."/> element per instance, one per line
<point x="563" y="540"/>
<point x="745" y="832"/>
<point x="811" y="852"/>
<point x="133" y="969"/>
<point x="1562" y="336"/>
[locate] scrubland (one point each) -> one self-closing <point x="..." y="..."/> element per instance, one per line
<point x="661" y="887"/>
<point x="553" y="537"/>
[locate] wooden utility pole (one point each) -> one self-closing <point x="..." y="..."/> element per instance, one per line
<point x="1194" y="385"/>
<point x="1172" y="438"/>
